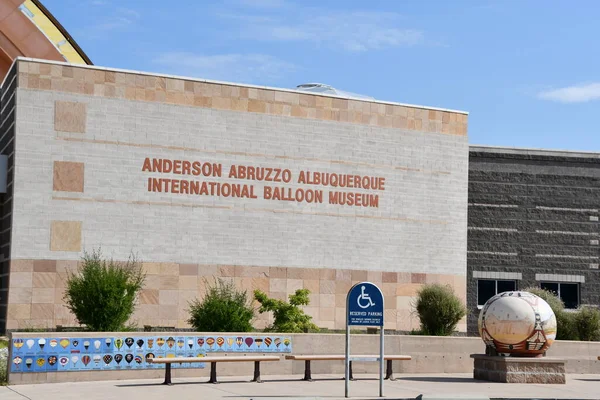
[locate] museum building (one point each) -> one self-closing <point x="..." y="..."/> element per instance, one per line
<point x="268" y="188"/>
<point x="272" y="189"/>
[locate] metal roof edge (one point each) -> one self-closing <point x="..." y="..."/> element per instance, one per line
<point x="533" y="151"/>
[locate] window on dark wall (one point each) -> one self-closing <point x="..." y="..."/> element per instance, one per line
<point x="488" y="288"/>
<point x="567" y="292"/>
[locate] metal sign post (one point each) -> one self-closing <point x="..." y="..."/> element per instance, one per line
<point x="364" y="307"/>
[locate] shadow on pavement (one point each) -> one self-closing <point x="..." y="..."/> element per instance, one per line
<point x="237" y="381"/>
<point x="439" y="379"/>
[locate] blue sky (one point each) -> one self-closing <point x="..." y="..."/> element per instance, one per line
<point x="527" y="72"/>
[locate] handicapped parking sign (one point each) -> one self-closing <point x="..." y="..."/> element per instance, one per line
<point x="364" y="305"/>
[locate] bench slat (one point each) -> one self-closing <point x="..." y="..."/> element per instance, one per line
<point x="334" y="357"/>
<point x="211" y="359"/>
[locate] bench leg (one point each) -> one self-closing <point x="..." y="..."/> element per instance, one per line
<point x="256" y="372"/>
<point x="307" y="371"/>
<point x="167" y="374"/>
<point x="350" y="372"/>
<point x="213" y="373"/>
<point x="389" y="371"/>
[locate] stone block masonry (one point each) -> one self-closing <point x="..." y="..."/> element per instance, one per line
<point x="185" y="172"/>
<point x="533" y="217"/>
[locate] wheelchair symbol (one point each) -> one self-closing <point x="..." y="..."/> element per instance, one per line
<point x="364" y="297"/>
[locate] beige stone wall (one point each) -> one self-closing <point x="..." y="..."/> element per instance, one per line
<point x="83" y="134"/>
<point x="37" y="291"/>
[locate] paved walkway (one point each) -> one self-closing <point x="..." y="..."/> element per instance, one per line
<point x="331" y="387"/>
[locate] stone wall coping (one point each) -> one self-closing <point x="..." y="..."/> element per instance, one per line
<point x="127" y="71"/>
<point x="518" y="360"/>
<point x="24" y="335"/>
<point x="533" y="152"/>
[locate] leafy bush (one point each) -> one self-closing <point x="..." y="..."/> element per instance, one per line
<point x="3" y="362"/>
<point x="587" y="323"/>
<point x="223" y="309"/>
<point x="102" y="294"/>
<point x="288" y="317"/>
<point x="439" y="310"/>
<point x="566" y="326"/>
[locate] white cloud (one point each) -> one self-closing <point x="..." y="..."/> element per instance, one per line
<point x="247" y="68"/>
<point x="573" y="94"/>
<point x="352" y="31"/>
<point x="263" y="3"/>
<point x="121" y="18"/>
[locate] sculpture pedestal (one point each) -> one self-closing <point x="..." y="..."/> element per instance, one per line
<point x="518" y="369"/>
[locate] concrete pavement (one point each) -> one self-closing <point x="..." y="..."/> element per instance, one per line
<point x="330" y="387"/>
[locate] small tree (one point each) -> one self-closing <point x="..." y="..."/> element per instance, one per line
<point x="439" y="310"/>
<point x="223" y="309"/>
<point x="102" y="294"/>
<point x="288" y="317"/>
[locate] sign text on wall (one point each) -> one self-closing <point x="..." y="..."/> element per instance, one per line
<point x="277" y="183"/>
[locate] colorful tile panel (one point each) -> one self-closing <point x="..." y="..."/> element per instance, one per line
<point x="131" y="352"/>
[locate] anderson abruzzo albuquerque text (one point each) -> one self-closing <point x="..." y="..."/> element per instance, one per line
<point x="277" y="182"/>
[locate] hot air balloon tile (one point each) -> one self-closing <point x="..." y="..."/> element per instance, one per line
<point x="28" y="362"/>
<point x="118" y="343"/>
<point x="87" y="362"/>
<point x="97" y="362"/>
<point x="77" y="345"/>
<point x="138" y="361"/>
<point x="239" y="342"/>
<point x="129" y="343"/>
<point x="150" y="344"/>
<point x="64" y="362"/>
<point x="180" y="346"/>
<point x="210" y="342"/>
<point x="17" y="364"/>
<point x="40" y="363"/>
<point x="140" y="343"/>
<point x="29" y="343"/>
<point x="41" y="345"/>
<point x="51" y="362"/>
<point x="190" y="344"/>
<point x="220" y="344"/>
<point x="147" y="355"/>
<point x="18" y="346"/>
<point x="108" y="345"/>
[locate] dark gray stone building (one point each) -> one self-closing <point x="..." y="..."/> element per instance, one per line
<point x="532" y="221"/>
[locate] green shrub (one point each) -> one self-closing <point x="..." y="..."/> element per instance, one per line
<point x="439" y="310"/>
<point x="3" y="362"/>
<point x="587" y="323"/>
<point x="566" y="326"/>
<point x="288" y="317"/>
<point x="102" y="294"/>
<point x="223" y="309"/>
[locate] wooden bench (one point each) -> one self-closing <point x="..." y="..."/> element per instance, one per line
<point x="389" y="373"/>
<point x="213" y="364"/>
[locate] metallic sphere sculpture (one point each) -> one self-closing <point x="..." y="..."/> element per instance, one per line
<point x="517" y="324"/>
